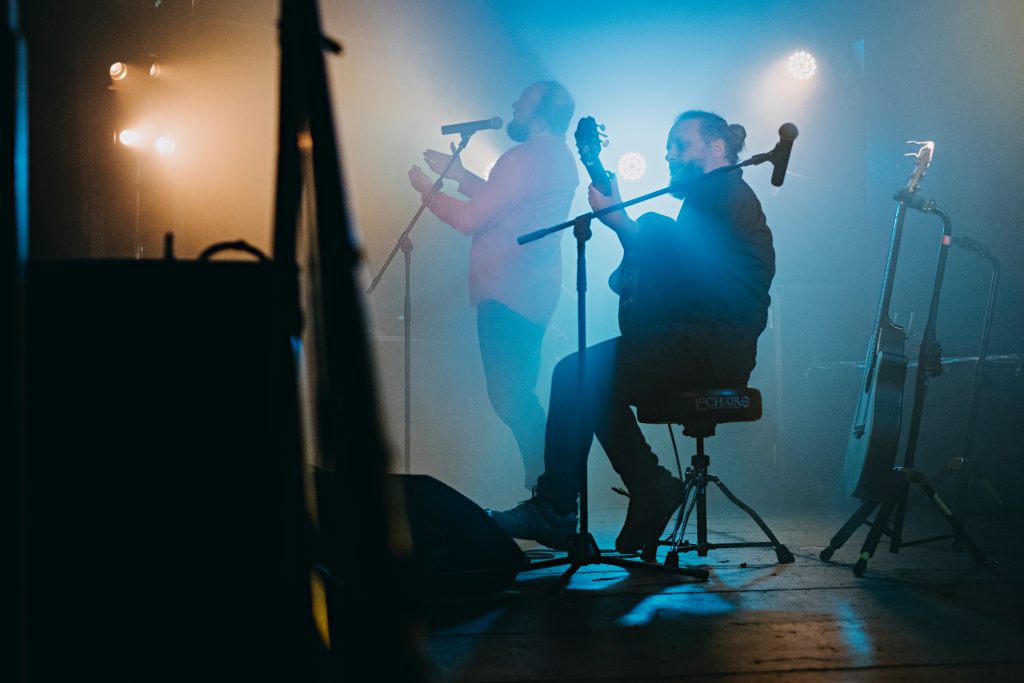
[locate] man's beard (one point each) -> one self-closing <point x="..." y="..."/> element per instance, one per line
<point x="684" y="172"/>
<point x="519" y="131"/>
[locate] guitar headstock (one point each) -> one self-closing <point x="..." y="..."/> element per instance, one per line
<point x="590" y="138"/>
<point x="924" y="159"/>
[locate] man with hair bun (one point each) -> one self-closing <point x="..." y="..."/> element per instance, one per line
<point x="514" y="288"/>
<point x="693" y="299"/>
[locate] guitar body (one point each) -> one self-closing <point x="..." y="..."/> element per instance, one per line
<point x="875" y="434"/>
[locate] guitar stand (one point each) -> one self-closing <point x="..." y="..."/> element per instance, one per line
<point x="900" y="478"/>
<point x="890" y="492"/>
<point x="966" y="468"/>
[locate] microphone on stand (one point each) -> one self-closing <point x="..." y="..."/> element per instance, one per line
<point x="470" y="127"/>
<point x="780" y="155"/>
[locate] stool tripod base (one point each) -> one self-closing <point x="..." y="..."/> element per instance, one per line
<point x="583" y="551"/>
<point x="697" y="478"/>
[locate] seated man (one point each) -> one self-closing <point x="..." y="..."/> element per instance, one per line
<point x="693" y="299"/>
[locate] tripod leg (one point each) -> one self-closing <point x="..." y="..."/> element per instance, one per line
<point x="958" y="528"/>
<point x="937" y="479"/>
<point x="563" y="580"/>
<point x="899" y="514"/>
<point x="871" y="542"/>
<point x="781" y="551"/>
<point x="851" y="525"/>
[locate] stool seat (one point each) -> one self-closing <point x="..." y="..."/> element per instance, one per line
<point x="705" y="406"/>
<point x="699" y="411"/>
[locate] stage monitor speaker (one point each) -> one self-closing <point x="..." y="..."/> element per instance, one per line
<point x="456" y="547"/>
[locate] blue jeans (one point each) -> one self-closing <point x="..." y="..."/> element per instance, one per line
<point x="510" y="346"/>
<point x="617" y="373"/>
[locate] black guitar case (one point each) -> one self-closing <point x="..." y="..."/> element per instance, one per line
<point x="165" y="521"/>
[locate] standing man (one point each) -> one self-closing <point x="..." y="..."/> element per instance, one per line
<point x="515" y="288"/>
<point x="693" y="301"/>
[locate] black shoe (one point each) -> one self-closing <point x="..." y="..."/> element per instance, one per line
<point x="535" y="520"/>
<point x="650" y="508"/>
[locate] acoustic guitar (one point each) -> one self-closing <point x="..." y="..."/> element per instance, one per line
<point x="875" y="433"/>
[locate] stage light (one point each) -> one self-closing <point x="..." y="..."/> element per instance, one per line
<point x="154" y="70"/>
<point x="129" y="137"/>
<point x="164" y="144"/>
<point x="118" y="71"/>
<point x="802" y="65"/>
<point x="632" y="166"/>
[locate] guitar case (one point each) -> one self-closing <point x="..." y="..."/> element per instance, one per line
<point x="165" y="522"/>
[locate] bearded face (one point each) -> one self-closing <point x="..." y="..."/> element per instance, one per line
<point x="519" y="131"/>
<point x="684" y="172"/>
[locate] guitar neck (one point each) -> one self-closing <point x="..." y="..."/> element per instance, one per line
<point x="599" y="177"/>
<point x="889" y="277"/>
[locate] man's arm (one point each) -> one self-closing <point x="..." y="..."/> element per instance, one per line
<point x="619" y="221"/>
<point x="491" y="199"/>
<point x="469" y="183"/>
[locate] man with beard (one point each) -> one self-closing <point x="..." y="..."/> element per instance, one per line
<point x="693" y="299"/>
<point x="515" y="288"/>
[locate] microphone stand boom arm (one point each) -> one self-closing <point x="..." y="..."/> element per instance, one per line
<point x="752" y="161"/>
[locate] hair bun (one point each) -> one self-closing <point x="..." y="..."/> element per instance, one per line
<point x="739" y="135"/>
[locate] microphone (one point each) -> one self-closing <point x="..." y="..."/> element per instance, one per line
<point x="780" y="155"/>
<point x="470" y="127"/>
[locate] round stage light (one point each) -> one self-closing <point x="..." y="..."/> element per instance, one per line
<point x="802" y="65"/>
<point x="129" y="137"/>
<point x="154" y="70"/>
<point x="164" y="144"/>
<point x="118" y="71"/>
<point x="632" y="166"/>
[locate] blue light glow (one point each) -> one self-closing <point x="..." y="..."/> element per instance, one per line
<point x="672" y="605"/>
<point x="855" y="636"/>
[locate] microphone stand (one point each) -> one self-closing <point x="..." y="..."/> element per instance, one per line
<point x="405" y="244"/>
<point x="583" y="549"/>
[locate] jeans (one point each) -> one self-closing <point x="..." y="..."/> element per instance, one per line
<point x="617" y="373"/>
<point x="510" y="346"/>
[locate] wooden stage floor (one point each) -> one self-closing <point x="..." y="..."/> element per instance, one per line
<point x="927" y="613"/>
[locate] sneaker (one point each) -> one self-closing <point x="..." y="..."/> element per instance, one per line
<point x="650" y="509"/>
<point x="535" y="520"/>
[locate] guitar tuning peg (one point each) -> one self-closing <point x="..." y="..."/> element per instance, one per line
<point x="600" y="126"/>
<point x="604" y="141"/>
<point x="925" y="145"/>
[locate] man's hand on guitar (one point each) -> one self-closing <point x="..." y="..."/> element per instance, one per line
<point x="618" y="221"/>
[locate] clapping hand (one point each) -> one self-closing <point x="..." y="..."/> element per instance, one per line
<point x="438" y="162"/>
<point x="419" y="180"/>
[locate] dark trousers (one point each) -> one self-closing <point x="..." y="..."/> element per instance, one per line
<point x="617" y="373"/>
<point x="510" y="346"/>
